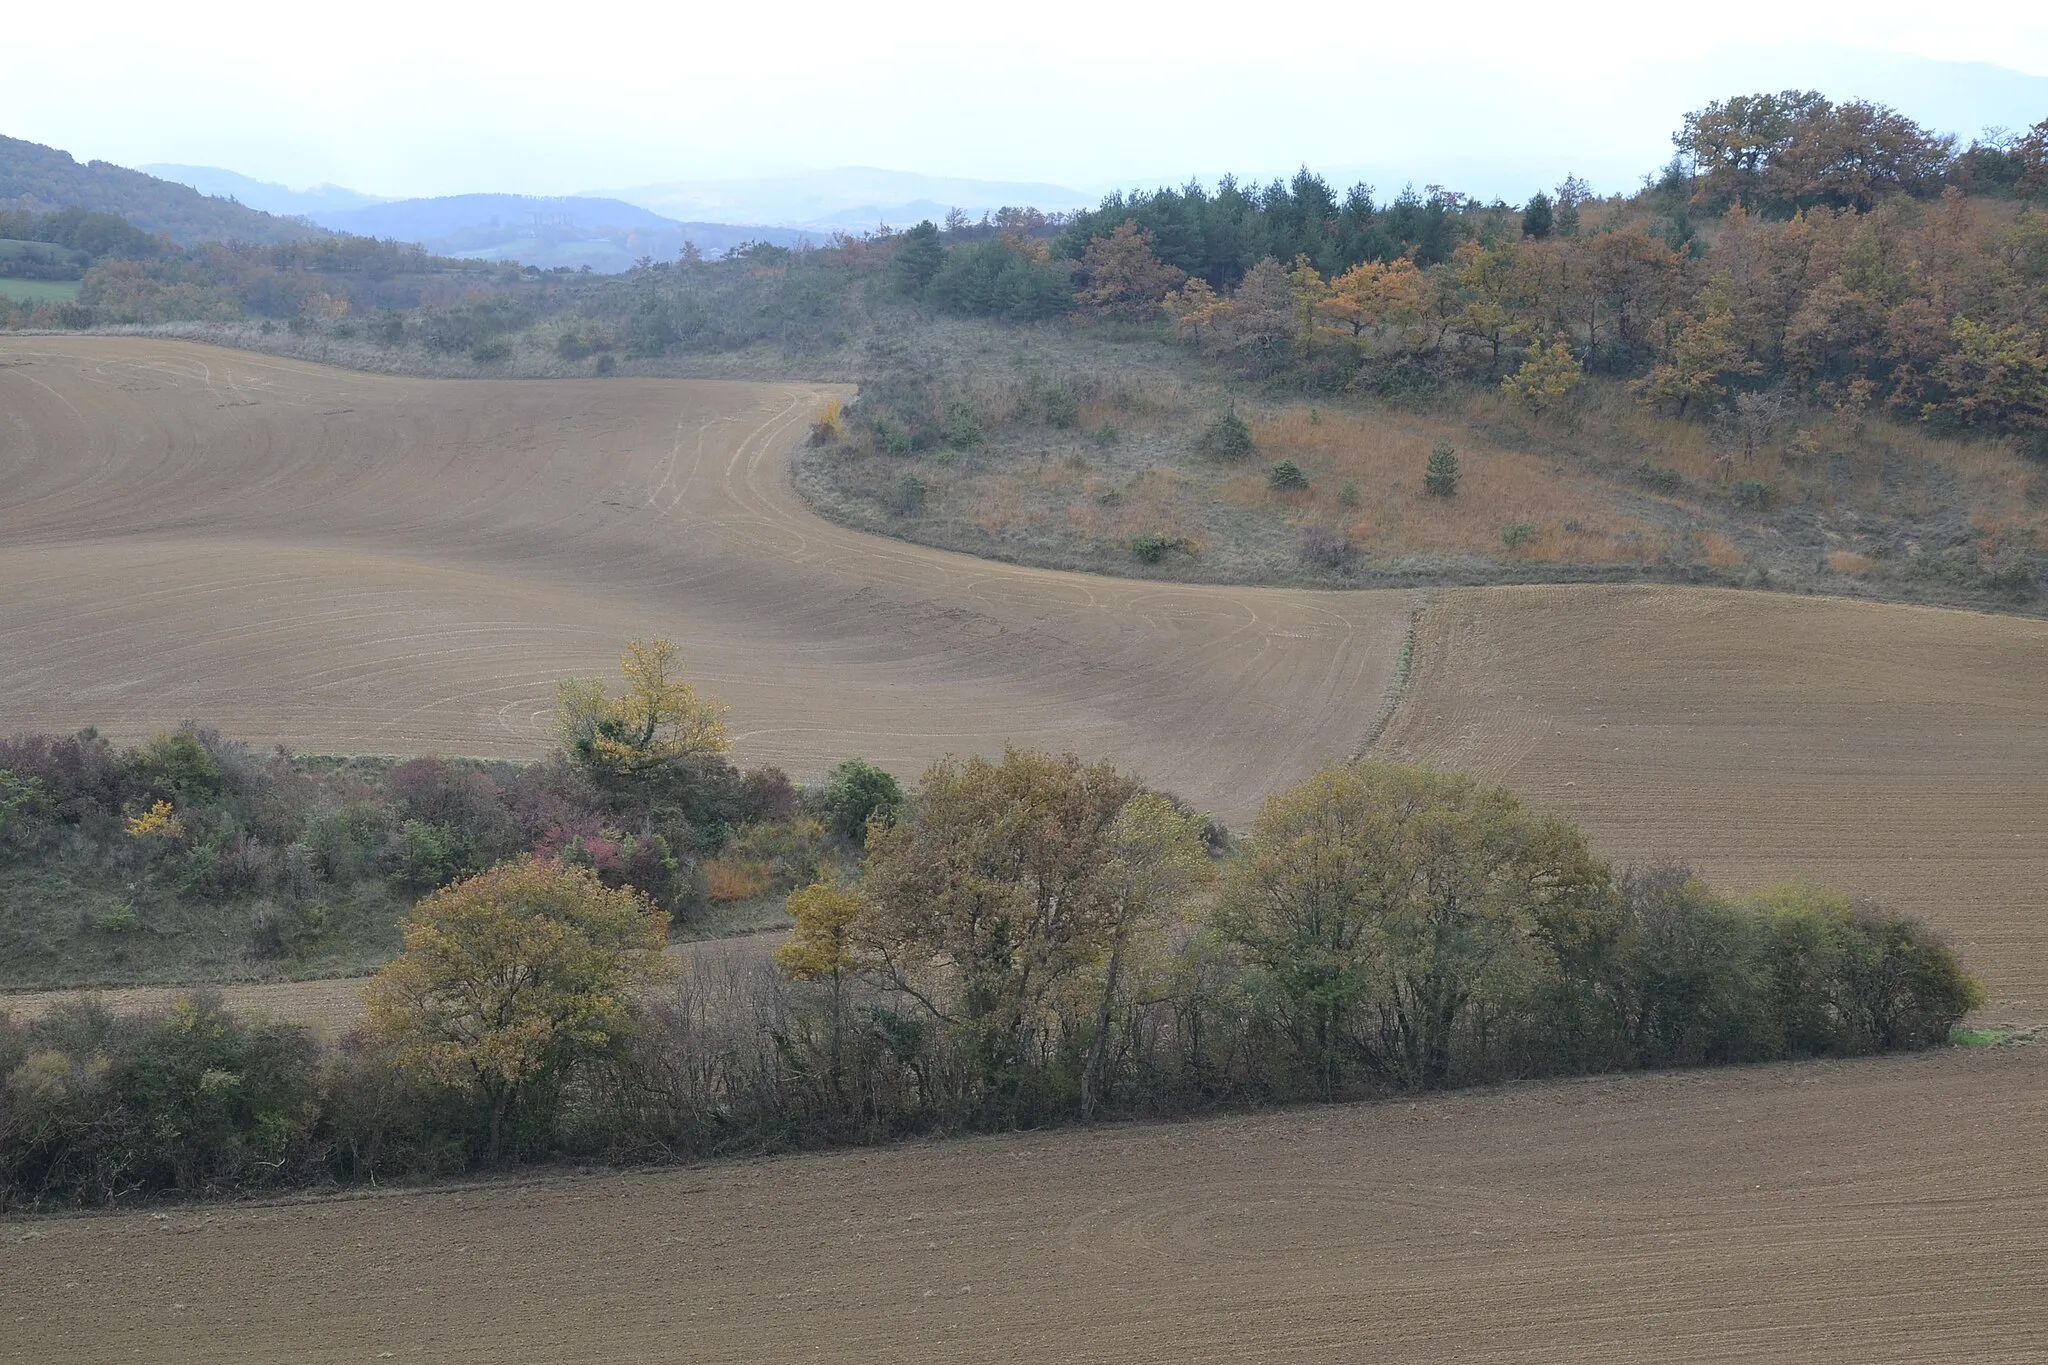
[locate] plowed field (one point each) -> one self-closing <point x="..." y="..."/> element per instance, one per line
<point x="339" y="561"/>
<point x="347" y="562"/>
<point x="1897" y="752"/>
<point x="1873" y="1211"/>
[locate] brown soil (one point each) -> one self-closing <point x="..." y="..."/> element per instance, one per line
<point x="1897" y="752"/>
<point x="195" y="534"/>
<point x="348" y="562"/>
<point x="1884" y="1210"/>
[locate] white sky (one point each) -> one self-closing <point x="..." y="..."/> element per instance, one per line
<point x="428" y="97"/>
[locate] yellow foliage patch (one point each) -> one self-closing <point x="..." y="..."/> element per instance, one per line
<point x="159" y="820"/>
<point x="736" y="879"/>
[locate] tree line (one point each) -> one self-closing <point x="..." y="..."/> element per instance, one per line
<point x="1020" y="941"/>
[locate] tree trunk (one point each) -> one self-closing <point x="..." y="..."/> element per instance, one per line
<point x="1098" y="1055"/>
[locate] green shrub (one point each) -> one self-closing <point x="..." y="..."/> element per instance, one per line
<point x="1152" y="547"/>
<point x="960" y="424"/>
<point x="858" y="792"/>
<point x="1517" y="534"/>
<point x="195" y="1100"/>
<point x="1440" y="476"/>
<point x="1228" y="436"/>
<point x="1658" y="480"/>
<point x="1752" y="495"/>
<point x="1286" y="477"/>
<point x="490" y="352"/>
<point x="429" y="855"/>
<point x="909" y="495"/>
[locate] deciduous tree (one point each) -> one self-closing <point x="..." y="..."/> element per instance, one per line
<point x="512" y="978"/>
<point x="657" y="720"/>
<point x="1125" y="280"/>
<point x="999" y="886"/>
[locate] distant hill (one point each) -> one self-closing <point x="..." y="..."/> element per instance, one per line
<point x="606" y="235"/>
<point x="263" y="194"/>
<point x="846" y="199"/>
<point x="42" y="179"/>
<point x="420" y="220"/>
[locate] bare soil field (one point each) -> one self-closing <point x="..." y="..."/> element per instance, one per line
<point x="1885" y="1210"/>
<point x="344" y="562"/>
<point x="1897" y="752"/>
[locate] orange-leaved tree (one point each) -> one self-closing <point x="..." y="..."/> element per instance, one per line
<point x="1125" y="280"/>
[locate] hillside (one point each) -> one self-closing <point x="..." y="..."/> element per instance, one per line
<point x="39" y="179"/>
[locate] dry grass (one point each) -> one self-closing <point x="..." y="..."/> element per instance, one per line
<point x="736" y="879"/>
<point x="1381" y="456"/>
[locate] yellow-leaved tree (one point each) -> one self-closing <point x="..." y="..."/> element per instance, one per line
<point x="511" y="979"/>
<point x="823" y="947"/>
<point x="655" y="722"/>
<point x="1546" y="378"/>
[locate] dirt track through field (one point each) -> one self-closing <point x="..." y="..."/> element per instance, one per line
<point x="1873" y="1211"/>
<point x="346" y="562"/>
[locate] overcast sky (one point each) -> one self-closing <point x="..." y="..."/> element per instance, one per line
<point x="429" y="97"/>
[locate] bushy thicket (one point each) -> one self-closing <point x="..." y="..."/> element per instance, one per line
<point x="1034" y="941"/>
<point x="303" y="852"/>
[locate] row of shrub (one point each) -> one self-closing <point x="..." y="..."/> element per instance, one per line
<point x="1027" y="941"/>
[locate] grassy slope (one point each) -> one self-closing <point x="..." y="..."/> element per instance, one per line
<point x="39" y="291"/>
<point x="1850" y="504"/>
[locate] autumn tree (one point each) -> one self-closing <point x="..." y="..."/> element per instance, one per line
<point x="1705" y="353"/>
<point x="1995" y="375"/>
<point x="1263" y="319"/>
<point x="1374" y="294"/>
<point x="1000" y="886"/>
<point x="1548" y="374"/>
<point x="1310" y="290"/>
<point x="823" y="946"/>
<point x="1732" y="142"/>
<point x="1158" y="854"/>
<point x="1386" y="906"/>
<point x="512" y="979"/>
<point x="1498" y="291"/>
<point x="655" y="723"/>
<point x="1195" y="306"/>
<point x="1125" y="280"/>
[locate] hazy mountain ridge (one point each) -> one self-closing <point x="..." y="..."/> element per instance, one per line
<point x="264" y="195"/>
<point x="846" y="198"/>
<point x="43" y="179"/>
